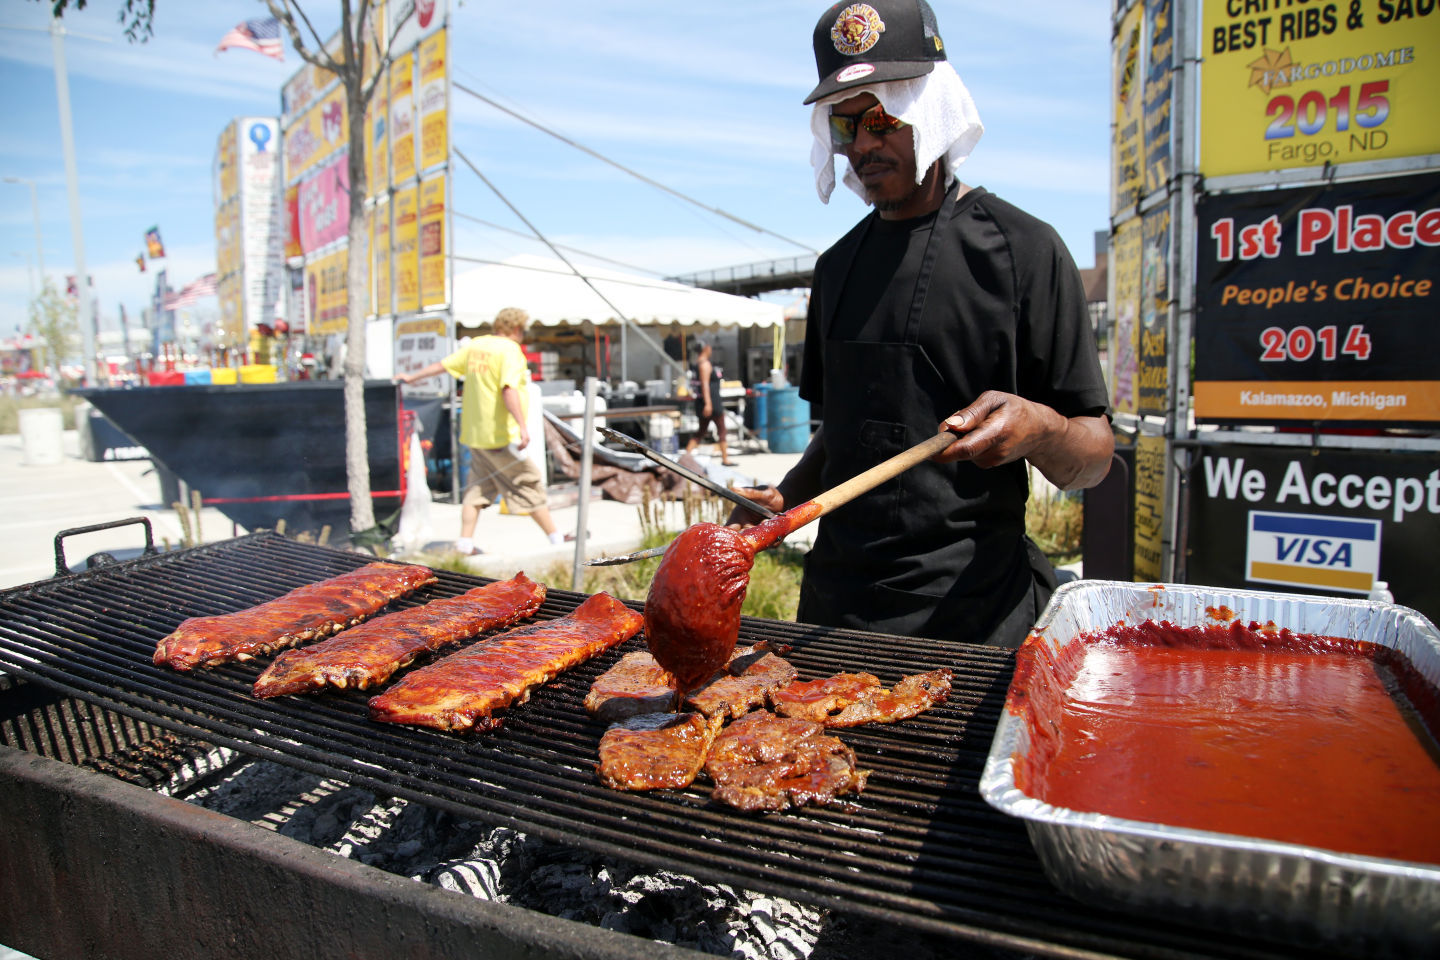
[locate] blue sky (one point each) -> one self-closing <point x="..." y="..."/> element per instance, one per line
<point x="705" y="99"/>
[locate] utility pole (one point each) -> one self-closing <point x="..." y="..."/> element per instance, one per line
<point x="72" y="186"/>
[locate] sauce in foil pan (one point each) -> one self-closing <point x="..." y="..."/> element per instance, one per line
<point x="1254" y="758"/>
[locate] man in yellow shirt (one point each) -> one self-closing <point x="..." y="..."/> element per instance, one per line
<point x="492" y="425"/>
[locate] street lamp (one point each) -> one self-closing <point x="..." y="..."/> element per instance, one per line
<point x="35" y="211"/>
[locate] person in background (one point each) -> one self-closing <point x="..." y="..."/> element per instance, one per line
<point x="707" y="402"/>
<point x="493" y="426"/>
<point x="945" y="308"/>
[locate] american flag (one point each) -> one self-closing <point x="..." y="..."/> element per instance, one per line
<point x="262" y="36"/>
<point x="204" y="287"/>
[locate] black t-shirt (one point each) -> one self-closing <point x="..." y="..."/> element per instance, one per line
<point x="1004" y="310"/>
<point x="1009" y="315"/>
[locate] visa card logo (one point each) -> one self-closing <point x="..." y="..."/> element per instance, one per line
<point x="1304" y="550"/>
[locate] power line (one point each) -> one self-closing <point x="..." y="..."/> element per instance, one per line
<point x="583" y="253"/>
<point x="637" y="175"/>
<point x="629" y="324"/>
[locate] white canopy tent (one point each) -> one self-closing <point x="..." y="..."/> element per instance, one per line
<point x="554" y="296"/>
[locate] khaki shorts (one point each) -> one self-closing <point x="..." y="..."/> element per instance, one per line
<point x="502" y="471"/>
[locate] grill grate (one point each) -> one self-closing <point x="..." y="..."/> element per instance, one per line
<point x="919" y="848"/>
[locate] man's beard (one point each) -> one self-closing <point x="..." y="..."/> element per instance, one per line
<point x="884" y="205"/>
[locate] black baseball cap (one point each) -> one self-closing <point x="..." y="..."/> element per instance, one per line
<point x="863" y="43"/>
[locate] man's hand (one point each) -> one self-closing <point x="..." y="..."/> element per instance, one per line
<point x="769" y="497"/>
<point x="524" y="437"/>
<point x="999" y="428"/>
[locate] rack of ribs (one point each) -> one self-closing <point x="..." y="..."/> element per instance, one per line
<point x="314" y="610"/>
<point x="850" y="699"/>
<point x="464" y="689"/>
<point x="369" y="654"/>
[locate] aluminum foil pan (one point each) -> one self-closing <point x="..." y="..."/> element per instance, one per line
<point x="1298" y="894"/>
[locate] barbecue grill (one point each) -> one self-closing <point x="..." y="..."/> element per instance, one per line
<point x="919" y="850"/>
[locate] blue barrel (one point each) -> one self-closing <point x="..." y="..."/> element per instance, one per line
<point x="788" y="420"/>
<point x="197" y="377"/>
<point x="759" y="410"/>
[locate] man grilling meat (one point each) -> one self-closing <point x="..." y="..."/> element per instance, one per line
<point x="944" y="304"/>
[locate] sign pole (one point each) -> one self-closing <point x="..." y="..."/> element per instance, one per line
<point x="72" y="187"/>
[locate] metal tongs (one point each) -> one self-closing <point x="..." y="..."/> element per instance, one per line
<point x="688" y="474"/>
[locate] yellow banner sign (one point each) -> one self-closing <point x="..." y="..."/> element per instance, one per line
<point x="316" y="136"/>
<point x="434" y="141"/>
<point x="1149" y="508"/>
<point x="227" y="169"/>
<point x="327" y="294"/>
<point x="1126" y="264"/>
<point x="405" y="237"/>
<point x="377" y="142"/>
<point x="1308" y="84"/>
<point x="380" y="259"/>
<point x="432" y="242"/>
<point x="402" y="118"/>
<point x="1129" y="163"/>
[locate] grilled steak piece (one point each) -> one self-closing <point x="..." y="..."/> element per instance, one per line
<point x="655" y="750"/>
<point x="634" y="686"/>
<point x="465" y="689"/>
<point x="819" y="699"/>
<point x="638" y="684"/>
<point x="370" y="653"/>
<point x="765" y="762"/>
<point x="314" y="610"/>
<point x="850" y="699"/>
<point x="911" y="696"/>
<point x="749" y="677"/>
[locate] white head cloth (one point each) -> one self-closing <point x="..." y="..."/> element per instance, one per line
<point x="938" y="108"/>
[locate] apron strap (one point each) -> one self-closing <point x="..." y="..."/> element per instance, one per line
<point x="927" y="266"/>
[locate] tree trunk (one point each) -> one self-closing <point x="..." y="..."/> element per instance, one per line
<point x="357" y="447"/>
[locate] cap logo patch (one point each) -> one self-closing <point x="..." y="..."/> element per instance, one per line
<point x="854" y="72"/>
<point x="857" y="29"/>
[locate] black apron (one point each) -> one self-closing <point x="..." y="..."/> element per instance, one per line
<point x="918" y="555"/>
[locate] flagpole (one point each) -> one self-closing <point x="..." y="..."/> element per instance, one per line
<point x="72" y="186"/>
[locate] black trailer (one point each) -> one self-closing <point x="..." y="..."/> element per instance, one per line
<point x="262" y="453"/>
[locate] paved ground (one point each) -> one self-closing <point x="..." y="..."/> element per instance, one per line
<point x="42" y="500"/>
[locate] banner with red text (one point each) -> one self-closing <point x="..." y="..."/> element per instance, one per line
<point x="1320" y="303"/>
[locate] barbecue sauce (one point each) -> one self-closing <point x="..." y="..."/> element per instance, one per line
<point x="692" y="613"/>
<point x="1254" y="731"/>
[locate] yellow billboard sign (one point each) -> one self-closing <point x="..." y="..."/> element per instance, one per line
<point x="432" y="242"/>
<point x="316" y="136"/>
<point x="1306" y="85"/>
<point x="327" y="294"/>
<point x="1126" y="266"/>
<point x="377" y="141"/>
<point x="380" y="259"/>
<point x="405" y="239"/>
<point x="1129" y="102"/>
<point x="402" y="118"/>
<point x="434" y="142"/>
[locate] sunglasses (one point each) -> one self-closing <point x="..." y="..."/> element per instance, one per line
<point x="874" y="121"/>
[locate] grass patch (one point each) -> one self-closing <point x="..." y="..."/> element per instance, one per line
<point x="10" y="407"/>
<point x="774" y="591"/>
<point x="1055" y="523"/>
